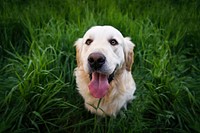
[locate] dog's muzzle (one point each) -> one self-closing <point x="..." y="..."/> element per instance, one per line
<point x="96" y="60"/>
<point x="99" y="80"/>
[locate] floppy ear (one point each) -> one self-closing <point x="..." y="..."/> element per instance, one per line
<point x="129" y="46"/>
<point x="78" y="45"/>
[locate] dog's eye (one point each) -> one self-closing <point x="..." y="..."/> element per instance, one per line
<point x="88" y="41"/>
<point x="113" y="42"/>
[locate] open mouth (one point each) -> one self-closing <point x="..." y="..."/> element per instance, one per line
<point x="99" y="83"/>
<point x="110" y="77"/>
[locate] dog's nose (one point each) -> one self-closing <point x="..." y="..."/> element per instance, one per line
<point x="96" y="60"/>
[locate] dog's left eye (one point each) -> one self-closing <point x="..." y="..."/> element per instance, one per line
<point x="113" y="42"/>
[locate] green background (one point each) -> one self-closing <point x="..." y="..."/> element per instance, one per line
<point x="37" y="59"/>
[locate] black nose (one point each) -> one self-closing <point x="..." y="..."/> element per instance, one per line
<point x="96" y="60"/>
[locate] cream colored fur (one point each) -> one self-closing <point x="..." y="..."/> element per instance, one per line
<point x="120" y="56"/>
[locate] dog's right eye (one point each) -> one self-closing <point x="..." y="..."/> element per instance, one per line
<point x="88" y="41"/>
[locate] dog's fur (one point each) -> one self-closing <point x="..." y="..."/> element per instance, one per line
<point x="119" y="60"/>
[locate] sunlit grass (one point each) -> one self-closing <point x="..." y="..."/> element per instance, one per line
<point x="37" y="87"/>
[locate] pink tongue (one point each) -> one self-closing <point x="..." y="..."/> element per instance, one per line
<point x="99" y="85"/>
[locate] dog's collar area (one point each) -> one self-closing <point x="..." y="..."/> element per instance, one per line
<point x="110" y="78"/>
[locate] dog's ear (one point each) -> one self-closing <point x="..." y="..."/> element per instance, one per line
<point x="129" y="46"/>
<point x="78" y="45"/>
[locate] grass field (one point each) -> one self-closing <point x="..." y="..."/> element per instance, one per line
<point x="37" y="58"/>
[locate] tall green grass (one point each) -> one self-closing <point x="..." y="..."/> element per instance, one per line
<point x="37" y="87"/>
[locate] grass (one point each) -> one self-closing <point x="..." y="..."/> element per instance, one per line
<point x="37" y="59"/>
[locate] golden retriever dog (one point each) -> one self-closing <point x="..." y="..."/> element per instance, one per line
<point x="103" y="73"/>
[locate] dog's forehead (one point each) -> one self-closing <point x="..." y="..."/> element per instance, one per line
<point x="103" y="32"/>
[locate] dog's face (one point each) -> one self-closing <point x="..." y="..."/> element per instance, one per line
<point x="100" y="53"/>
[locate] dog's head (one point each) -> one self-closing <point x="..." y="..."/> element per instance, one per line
<point x="101" y="52"/>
